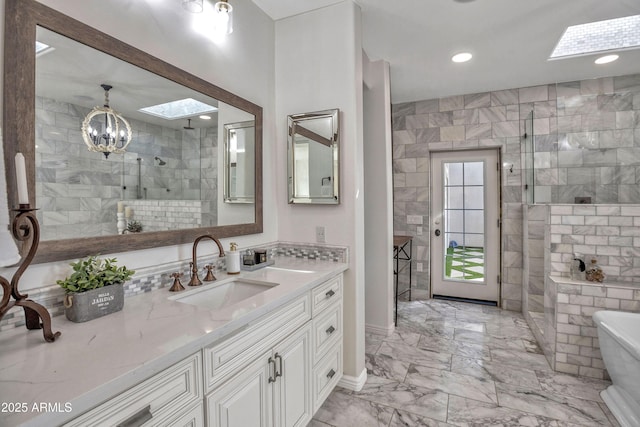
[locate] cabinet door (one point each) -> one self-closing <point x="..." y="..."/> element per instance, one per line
<point x="292" y="404"/>
<point x="246" y="399"/>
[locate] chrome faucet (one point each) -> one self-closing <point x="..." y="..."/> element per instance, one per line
<point x="195" y="280"/>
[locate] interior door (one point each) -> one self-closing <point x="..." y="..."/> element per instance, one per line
<point x="465" y="225"/>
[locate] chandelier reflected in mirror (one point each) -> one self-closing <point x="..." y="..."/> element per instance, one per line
<point x="104" y="130"/>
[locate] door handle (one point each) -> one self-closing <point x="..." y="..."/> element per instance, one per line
<point x="437" y="232"/>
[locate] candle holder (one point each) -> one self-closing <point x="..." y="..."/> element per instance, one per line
<point x="25" y="227"/>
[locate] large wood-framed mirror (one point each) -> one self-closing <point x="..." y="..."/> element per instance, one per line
<point x="169" y="180"/>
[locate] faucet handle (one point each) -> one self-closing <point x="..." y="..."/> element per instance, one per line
<point x="177" y="286"/>
<point x="209" y="277"/>
<point x="195" y="280"/>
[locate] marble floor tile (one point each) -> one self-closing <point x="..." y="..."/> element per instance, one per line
<point x="384" y="366"/>
<point x="407" y="419"/>
<point x="457" y="364"/>
<point x="403" y="337"/>
<point x="344" y="410"/>
<point x="582" y="387"/>
<point x="467" y="412"/>
<point x="453" y="383"/>
<point x="461" y="348"/>
<point x="564" y="408"/>
<point x="456" y="323"/>
<point x="498" y="372"/>
<point x="424" y="357"/>
<point x="491" y="341"/>
<point x="372" y="343"/>
<point x="417" y="400"/>
<point x="520" y="359"/>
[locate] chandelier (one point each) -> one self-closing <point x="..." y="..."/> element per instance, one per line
<point x="104" y="130"/>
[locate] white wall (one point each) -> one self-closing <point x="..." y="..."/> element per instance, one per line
<point x="319" y="67"/>
<point x="379" y="289"/>
<point x="242" y="64"/>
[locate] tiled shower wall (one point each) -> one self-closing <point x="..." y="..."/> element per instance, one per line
<point x="77" y="190"/>
<point x="569" y="119"/>
<point x="596" y="152"/>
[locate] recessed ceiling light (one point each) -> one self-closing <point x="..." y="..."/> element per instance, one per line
<point x="461" y="57"/>
<point x="606" y="59"/>
<point x="179" y="109"/>
<point x="205" y="117"/>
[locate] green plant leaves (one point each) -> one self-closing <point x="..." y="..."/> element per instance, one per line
<point x="91" y="273"/>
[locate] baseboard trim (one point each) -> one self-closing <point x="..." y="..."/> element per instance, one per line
<point x="379" y="330"/>
<point x="353" y="383"/>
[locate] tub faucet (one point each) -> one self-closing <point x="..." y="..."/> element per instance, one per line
<point x="195" y="280"/>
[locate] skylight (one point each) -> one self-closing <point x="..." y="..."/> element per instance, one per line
<point x="600" y="36"/>
<point x="179" y="109"/>
<point x="42" y="48"/>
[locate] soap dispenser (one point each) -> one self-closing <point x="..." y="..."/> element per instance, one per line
<point x="233" y="259"/>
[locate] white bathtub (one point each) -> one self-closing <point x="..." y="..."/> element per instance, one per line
<point x="619" y="336"/>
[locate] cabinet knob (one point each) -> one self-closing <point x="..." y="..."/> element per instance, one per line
<point x="330" y="330"/>
<point x="330" y="293"/>
<point x="331" y="373"/>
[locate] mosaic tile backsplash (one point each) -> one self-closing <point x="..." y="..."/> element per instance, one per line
<point x="156" y="277"/>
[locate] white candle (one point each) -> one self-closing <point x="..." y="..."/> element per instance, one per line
<point x="128" y="213"/>
<point x="21" y="180"/>
<point x="120" y="206"/>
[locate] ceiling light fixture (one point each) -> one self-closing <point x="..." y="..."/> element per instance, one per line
<point x="606" y="59"/>
<point x="193" y="6"/>
<point x="223" y="18"/>
<point x="461" y="57"/>
<point x="104" y="130"/>
<point x="203" y="117"/>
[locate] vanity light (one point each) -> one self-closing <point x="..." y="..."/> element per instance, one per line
<point x="462" y="57"/>
<point x="606" y="59"/>
<point x="104" y="130"/>
<point x="223" y="18"/>
<point x="205" y="117"/>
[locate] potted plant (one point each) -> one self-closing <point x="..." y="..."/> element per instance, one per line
<point x="94" y="289"/>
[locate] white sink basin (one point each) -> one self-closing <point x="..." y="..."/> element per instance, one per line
<point x="224" y="294"/>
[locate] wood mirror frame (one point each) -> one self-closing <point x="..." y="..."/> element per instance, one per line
<point x="21" y="19"/>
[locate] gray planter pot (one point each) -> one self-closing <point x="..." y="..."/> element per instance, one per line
<point x="84" y="306"/>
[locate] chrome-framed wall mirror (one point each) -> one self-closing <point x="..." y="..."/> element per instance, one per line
<point x="239" y="142"/>
<point x="314" y="157"/>
<point x="167" y="180"/>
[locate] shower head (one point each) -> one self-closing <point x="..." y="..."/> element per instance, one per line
<point x="188" y="126"/>
<point x="160" y="161"/>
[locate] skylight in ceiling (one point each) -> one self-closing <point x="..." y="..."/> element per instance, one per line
<point x="179" y="109"/>
<point x="42" y="48"/>
<point x="612" y="34"/>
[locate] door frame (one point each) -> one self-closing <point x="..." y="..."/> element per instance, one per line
<point x="432" y="227"/>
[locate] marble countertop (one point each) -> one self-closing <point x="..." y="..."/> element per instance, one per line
<point x="93" y="361"/>
<point x="568" y="281"/>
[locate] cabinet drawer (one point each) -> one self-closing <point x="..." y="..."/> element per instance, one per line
<point x="226" y="357"/>
<point x="193" y="417"/>
<point x="324" y="295"/>
<point x="153" y="400"/>
<point x="326" y="375"/>
<point x="327" y="330"/>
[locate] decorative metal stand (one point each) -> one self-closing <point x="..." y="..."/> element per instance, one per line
<point x="24" y="227"/>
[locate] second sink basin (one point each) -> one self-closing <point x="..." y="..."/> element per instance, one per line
<point x="227" y="293"/>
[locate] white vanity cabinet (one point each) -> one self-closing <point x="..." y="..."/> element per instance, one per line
<point x="278" y="371"/>
<point x="171" y="397"/>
